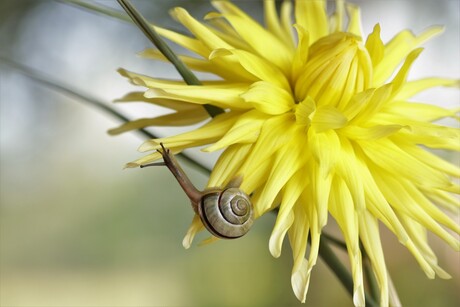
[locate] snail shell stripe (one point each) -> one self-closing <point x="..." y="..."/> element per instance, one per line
<point x="226" y="214"/>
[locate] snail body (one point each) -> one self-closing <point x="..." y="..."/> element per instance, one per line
<point x="226" y="213"/>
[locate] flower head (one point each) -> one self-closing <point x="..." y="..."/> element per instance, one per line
<point x="318" y="122"/>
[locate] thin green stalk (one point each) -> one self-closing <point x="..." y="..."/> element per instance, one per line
<point x="367" y="267"/>
<point x="340" y="270"/>
<point x="77" y="95"/>
<point x="369" y="275"/>
<point x="156" y="39"/>
<point x="104" y="10"/>
<point x="370" y="278"/>
<point x="99" y="9"/>
<point x="335" y="241"/>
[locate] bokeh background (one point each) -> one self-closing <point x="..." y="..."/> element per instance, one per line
<point x="78" y="230"/>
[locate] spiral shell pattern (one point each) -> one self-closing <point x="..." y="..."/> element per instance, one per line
<point x="227" y="214"/>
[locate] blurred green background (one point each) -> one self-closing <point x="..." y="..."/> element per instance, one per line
<point x="78" y="230"/>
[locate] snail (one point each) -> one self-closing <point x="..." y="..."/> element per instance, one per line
<point x="226" y="213"/>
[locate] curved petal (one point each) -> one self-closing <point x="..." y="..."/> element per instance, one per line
<point x="189" y="117"/>
<point x="412" y="88"/>
<point x="255" y="65"/>
<point x="398" y="49"/>
<point x="342" y="209"/>
<point x="256" y="36"/>
<point x="206" y="134"/>
<point x="275" y="25"/>
<point x="311" y="15"/>
<point x="224" y="97"/>
<point x="375" y="46"/>
<point x="245" y="130"/>
<point x="268" y="99"/>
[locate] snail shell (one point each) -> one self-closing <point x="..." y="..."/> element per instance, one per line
<point x="227" y="214"/>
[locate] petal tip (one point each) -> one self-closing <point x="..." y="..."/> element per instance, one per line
<point x="131" y="165"/>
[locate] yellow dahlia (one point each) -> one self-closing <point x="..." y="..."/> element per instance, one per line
<point x="317" y="122"/>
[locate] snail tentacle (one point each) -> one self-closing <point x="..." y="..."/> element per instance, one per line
<point x="226" y="213"/>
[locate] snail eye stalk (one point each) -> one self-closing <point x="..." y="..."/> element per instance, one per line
<point x="226" y="213"/>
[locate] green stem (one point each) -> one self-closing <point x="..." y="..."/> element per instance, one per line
<point x="99" y="9"/>
<point x="369" y="275"/>
<point x="370" y="278"/>
<point x="156" y="39"/>
<point x="334" y="240"/>
<point x="340" y="270"/>
<point x="75" y="94"/>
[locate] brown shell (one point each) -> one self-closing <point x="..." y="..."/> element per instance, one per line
<point x="227" y="214"/>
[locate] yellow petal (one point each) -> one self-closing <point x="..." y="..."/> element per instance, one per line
<point x="403" y="203"/>
<point x="227" y="164"/>
<point x="370" y="237"/>
<point x="380" y="97"/>
<point x="285" y="217"/>
<point x="327" y="117"/>
<point x="206" y="36"/>
<point x="286" y="18"/>
<point x="228" y="72"/>
<point x="257" y="37"/>
<point x="419" y="111"/>
<point x="194" y="228"/>
<point x="412" y="88"/>
<point x="431" y="135"/>
<point x="443" y="199"/>
<point x="376" y="202"/>
<point x="147" y="159"/>
<point x="320" y="191"/>
<point x="397" y="49"/>
<point x="401" y="77"/>
<point x="354" y="22"/>
<point x="220" y="96"/>
<point x="349" y="171"/>
<point x="318" y="143"/>
<point x="419" y="233"/>
<point x="221" y="28"/>
<point x="268" y="99"/>
<point x="146" y="81"/>
<point x="375" y="46"/>
<point x="166" y="103"/>
<point x="255" y="65"/>
<point x="342" y="209"/>
<point x="245" y="130"/>
<point x="305" y="111"/>
<point x="393" y="159"/>
<point x="336" y="20"/>
<point x="275" y="132"/>
<point x="274" y="24"/>
<point x="288" y="160"/>
<point x="254" y="180"/>
<point x="408" y="200"/>
<point x="189" y="117"/>
<point x="298" y="236"/>
<point x="370" y="133"/>
<point x="311" y="15"/>
<point x="189" y="43"/>
<point x="356" y="104"/>
<point x="301" y="52"/>
<point x="208" y="133"/>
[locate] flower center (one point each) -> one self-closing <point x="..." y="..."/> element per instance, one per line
<point x="338" y="67"/>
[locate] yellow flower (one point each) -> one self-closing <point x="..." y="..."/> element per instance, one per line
<point x="317" y="122"/>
